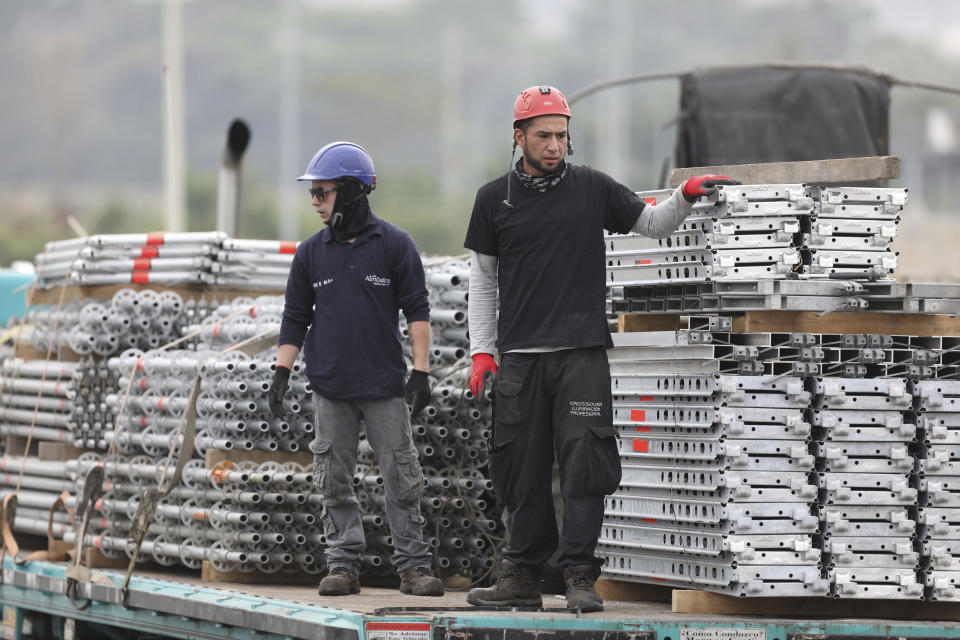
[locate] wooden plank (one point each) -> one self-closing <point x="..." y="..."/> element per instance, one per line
<point x="47" y="450"/>
<point x="209" y="574"/>
<point x="654" y="322"/>
<point x="704" y="602"/>
<point x="66" y="354"/>
<point x="828" y="171"/>
<point x="631" y="591"/>
<point x="106" y="291"/>
<point x="215" y="456"/>
<point x="906" y="324"/>
<point x="94" y="559"/>
<point x="16" y="445"/>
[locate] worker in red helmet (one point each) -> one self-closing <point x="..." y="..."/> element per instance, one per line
<point x="536" y="242"/>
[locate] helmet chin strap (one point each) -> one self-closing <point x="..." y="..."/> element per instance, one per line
<point x="513" y="153"/>
<point x="335" y="219"/>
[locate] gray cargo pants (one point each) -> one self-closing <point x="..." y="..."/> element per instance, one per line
<point x="334" y="459"/>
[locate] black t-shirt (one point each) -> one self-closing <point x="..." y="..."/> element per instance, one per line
<point x="552" y="265"/>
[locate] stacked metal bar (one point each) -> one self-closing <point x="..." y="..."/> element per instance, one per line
<point x="212" y="516"/>
<point x="808" y="294"/>
<point x="252" y="264"/>
<point x="866" y="475"/>
<point x="54" y="400"/>
<point x="40" y="483"/>
<point x="155" y="258"/>
<point x="740" y="295"/>
<point x="851" y="231"/>
<point x="724" y="255"/>
<point x="744" y="232"/>
<point x="937" y="403"/>
<point x="241" y="517"/>
<point x="707" y="417"/>
<point x="716" y="490"/>
<point x="143" y="319"/>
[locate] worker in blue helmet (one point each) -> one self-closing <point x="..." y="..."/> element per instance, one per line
<point x="346" y="286"/>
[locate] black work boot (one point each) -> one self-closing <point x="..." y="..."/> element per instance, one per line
<point x="341" y="581"/>
<point x="421" y="582"/>
<point x="580" y="593"/>
<point x="516" y="586"/>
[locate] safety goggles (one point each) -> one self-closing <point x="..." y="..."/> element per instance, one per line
<point x="320" y="193"/>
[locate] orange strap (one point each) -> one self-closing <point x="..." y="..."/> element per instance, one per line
<point x="53" y="553"/>
<point x="8" y="513"/>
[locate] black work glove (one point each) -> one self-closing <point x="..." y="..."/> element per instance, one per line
<point x="417" y="393"/>
<point x="278" y="389"/>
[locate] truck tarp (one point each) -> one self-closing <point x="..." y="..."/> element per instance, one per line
<point x="768" y="114"/>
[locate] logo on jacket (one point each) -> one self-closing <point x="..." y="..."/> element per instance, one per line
<point x="378" y="281"/>
<point x="322" y="283"/>
<point x="586" y="409"/>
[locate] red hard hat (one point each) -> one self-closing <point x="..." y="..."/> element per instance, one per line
<point x="539" y="101"/>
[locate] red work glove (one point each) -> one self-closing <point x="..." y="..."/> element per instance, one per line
<point x="704" y="185"/>
<point x="484" y="369"/>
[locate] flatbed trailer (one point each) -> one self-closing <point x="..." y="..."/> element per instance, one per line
<point x="167" y="604"/>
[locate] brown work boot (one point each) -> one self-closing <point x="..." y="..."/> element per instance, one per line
<point x="340" y="581"/>
<point x="421" y="582"/>
<point x="580" y="593"/>
<point x="516" y="586"/>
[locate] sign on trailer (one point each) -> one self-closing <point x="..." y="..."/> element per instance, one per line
<point x="401" y="631"/>
<point x="722" y="634"/>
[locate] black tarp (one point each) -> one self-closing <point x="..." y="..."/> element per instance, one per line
<point x="777" y="114"/>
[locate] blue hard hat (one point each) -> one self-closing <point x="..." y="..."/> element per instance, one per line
<point x="341" y="160"/>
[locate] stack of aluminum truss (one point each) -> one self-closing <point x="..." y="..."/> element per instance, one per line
<point x="759" y="232"/>
<point x="739" y="295"/>
<point x="867" y="485"/>
<point x="144" y="319"/>
<point x="54" y="400"/>
<point x="155" y="258"/>
<point x="823" y="427"/>
<point x="252" y="264"/>
<point x="938" y="408"/>
<point x="808" y="294"/>
<point x="746" y="232"/>
<point x="851" y="231"/>
<point x="716" y="490"/>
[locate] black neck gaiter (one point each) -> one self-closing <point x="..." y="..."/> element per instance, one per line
<point x="351" y="212"/>
<point x="540" y="183"/>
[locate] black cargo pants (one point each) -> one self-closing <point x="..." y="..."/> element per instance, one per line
<point x="545" y="404"/>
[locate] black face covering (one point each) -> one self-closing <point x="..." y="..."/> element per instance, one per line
<point x="351" y="212"/>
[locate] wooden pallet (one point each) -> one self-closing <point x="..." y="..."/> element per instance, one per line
<point x="705" y="602"/>
<point x="60" y="451"/>
<point x="904" y="324"/>
<point x="623" y="591"/>
<point x="66" y="354"/>
<point x="17" y="446"/>
<point x="105" y="291"/>
<point x="832" y="171"/>
<point x="94" y="559"/>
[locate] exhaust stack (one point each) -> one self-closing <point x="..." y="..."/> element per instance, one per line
<point x="228" y="187"/>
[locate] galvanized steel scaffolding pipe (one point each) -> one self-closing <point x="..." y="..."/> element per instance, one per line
<point x="60" y="401"/>
<point x="232" y="414"/>
<point x="246" y="516"/>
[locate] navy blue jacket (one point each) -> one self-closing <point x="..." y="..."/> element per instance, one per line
<point x="342" y="308"/>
